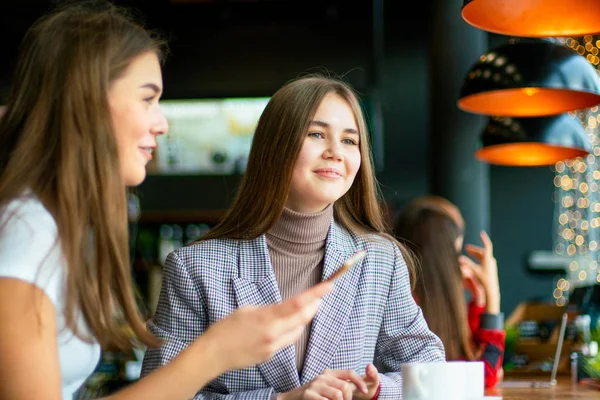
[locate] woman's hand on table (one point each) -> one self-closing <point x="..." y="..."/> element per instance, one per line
<point x="371" y="378"/>
<point x="331" y="384"/>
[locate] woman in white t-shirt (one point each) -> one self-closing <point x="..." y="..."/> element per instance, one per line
<point x="80" y="125"/>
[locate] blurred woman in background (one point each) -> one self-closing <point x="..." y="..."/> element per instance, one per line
<point x="433" y="228"/>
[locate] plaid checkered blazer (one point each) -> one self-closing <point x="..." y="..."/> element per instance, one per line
<point x="370" y="316"/>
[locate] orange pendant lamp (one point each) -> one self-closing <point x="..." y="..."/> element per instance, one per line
<point x="534" y="18"/>
<point x="530" y="78"/>
<point x="533" y="141"/>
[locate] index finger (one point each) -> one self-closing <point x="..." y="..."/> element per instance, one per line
<point x="349" y="263"/>
<point x="487" y="242"/>
<point x="298" y="302"/>
<point x="350" y="376"/>
<point x="475" y="251"/>
<point x="317" y="291"/>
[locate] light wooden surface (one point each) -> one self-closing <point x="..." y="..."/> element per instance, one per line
<point x="564" y="390"/>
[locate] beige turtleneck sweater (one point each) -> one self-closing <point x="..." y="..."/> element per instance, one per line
<point x="297" y="247"/>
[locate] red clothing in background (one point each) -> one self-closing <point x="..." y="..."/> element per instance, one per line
<point x="488" y="342"/>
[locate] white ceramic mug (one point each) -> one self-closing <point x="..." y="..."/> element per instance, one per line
<point x="453" y="380"/>
<point x="475" y="384"/>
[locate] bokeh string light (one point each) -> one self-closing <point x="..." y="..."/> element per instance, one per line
<point x="577" y="195"/>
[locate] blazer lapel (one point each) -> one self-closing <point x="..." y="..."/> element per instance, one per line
<point x="256" y="285"/>
<point x="330" y="322"/>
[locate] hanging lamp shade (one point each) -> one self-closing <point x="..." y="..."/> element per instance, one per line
<point x="530" y="78"/>
<point x="533" y="141"/>
<point x="534" y="18"/>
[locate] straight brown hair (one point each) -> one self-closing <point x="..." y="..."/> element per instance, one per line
<point x="279" y="136"/>
<point x="430" y="231"/>
<point x="57" y="141"/>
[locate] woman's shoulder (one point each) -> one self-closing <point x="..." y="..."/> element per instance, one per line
<point x="380" y="243"/>
<point x="380" y="246"/>
<point x="26" y="212"/>
<point x="29" y="246"/>
<point x="208" y="253"/>
<point x="209" y="246"/>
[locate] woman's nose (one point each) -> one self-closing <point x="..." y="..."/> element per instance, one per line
<point x="161" y="125"/>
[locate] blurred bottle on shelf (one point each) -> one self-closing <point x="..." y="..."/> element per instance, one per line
<point x="170" y="239"/>
<point x="194" y="232"/>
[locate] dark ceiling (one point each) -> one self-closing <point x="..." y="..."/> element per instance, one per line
<point x="188" y="24"/>
<point x="194" y="15"/>
<point x="16" y="15"/>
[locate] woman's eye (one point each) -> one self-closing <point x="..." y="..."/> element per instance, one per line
<point x="315" y="134"/>
<point x="149" y="99"/>
<point x="349" y="141"/>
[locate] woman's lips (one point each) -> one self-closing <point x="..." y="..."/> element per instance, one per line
<point x="328" y="173"/>
<point x="147" y="152"/>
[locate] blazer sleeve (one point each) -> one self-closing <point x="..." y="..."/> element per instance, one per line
<point x="404" y="336"/>
<point x="179" y="319"/>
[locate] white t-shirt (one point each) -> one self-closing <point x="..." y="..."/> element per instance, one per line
<point x="29" y="251"/>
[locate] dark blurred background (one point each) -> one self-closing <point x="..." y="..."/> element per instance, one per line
<point x="222" y="48"/>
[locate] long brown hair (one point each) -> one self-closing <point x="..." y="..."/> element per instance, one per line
<point x="56" y="140"/>
<point x="427" y="228"/>
<point x="277" y="141"/>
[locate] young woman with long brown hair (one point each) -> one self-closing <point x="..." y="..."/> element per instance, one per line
<point x="434" y="229"/>
<point x="80" y="125"/>
<point x="307" y="202"/>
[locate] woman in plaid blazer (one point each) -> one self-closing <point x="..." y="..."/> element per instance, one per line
<point x="310" y="151"/>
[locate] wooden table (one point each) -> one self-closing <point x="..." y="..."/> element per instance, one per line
<point x="563" y="390"/>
